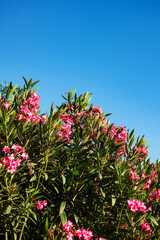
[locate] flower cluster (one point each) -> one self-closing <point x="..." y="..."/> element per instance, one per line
<point x="51" y="233"/>
<point x="28" y="110"/>
<point x="67" y="228"/>
<point x="66" y="128"/>
<point x="152" y="177"/>
<point x="146" y="227"/>
<point x="84" y="234"/>
<point x="80" y="233"/>
<point x="100" y="238"/>
<point x="6" y="105"/>
<point x="154" y="195"/>
<point x="41" y="205"/>
<point x="120" y="136"/>
<point x="141" y="151"/>
<point x="97" y="111"/>
<point x="154" y="174"/>
<point x="134" y="176"/>
<point x="148" y="183"/>
<point x="136" y="205"/>
<point x="13" y="157"/>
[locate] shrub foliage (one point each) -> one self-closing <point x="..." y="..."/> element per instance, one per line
<point x="72" y="167"/>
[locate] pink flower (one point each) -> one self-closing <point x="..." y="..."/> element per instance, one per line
<point x="44" y="118"/>
<point x="136" y="205"/>
<point x="17" y="148"/>
<point x="134" y="176"/>
<point x="44" y="203"/>
<point x="101" y="239"/>
<point x="68" y="226"/>
<point x="28" y="110"/>
<point x="24" y="155"/>
<point x="6" y="149"/>
<point x="146" y="227"/>
<point x="154" y="195"/>
<point x="82" y="233"/>
<point x="6" y="104"/>
<point x="51" y="234"/>
<point x="104" y="130"/>
<point x="70" y="236"/>
<point x="60" y="134"/>
<point x="141" y="151"/>
<point x="39" y="205"/>
<point x="143" y="175"/>
<point x="150" y="208"/>
<point x="13" y="160"/>
<point x="66" y="128"/>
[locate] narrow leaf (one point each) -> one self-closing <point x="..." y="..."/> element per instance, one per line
<point x="63" y="217"/>
<point x="62" y="207"/>
<point x="8" y="209"/>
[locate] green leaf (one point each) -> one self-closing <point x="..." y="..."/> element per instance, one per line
<point x="153" y="220"/>
<point x="35" y="89"/>
<point x="46" y="224"/>
<point x="100" y="176"/>
<point x="8" y="209"/>
<point x="113" y="200"/>
<point x="132" y="140"/>
<point x="32" y="213"/>
<point x="103" y="193"/>
<point x="46" y="176"/>
<point x="88" y="100"/>
<point x="12" y="118"/>
<point x="24" y="80"/>
<point x="33" y="178"/>
<point x="34" y="83"/>
<point x="62" y="207"/>
<point x="75" y="172"/>
<point x="63" y="217"/>
<point x="11" y="99"/>
<point x="85" y="140"/>
<point x="30" y="190"/>
<point x="63" y="179"/>
<point x="73" y="91"/>
<point x="3" y="127"/>
<point x="15" y="236"/>
<point x="13" y="89"/>
<point x="29" y="84"/>
<point x="130" y="135"/>
<point x="75" y="218"/>
<point x="98" y="135"/>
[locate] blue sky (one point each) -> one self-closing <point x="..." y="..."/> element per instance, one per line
<point x="109" y="48"/>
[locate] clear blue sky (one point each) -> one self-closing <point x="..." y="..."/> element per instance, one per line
<point x="110" y="48"/>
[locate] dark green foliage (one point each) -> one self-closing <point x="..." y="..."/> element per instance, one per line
<point x="85" y="180"/>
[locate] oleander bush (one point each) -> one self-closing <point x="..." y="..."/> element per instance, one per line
<point x="72" y="174"/>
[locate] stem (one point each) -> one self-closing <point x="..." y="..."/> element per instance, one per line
<point x="120" y="219"/>
<point x="20" y="237"/>
<point x="39" y="178"/>
<point x="77" y="193"/>
<point x="6" y="236"/>
<point x="133" y="227"/>
<point x="6" y="132"/>
<point x="46" y="160"/>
